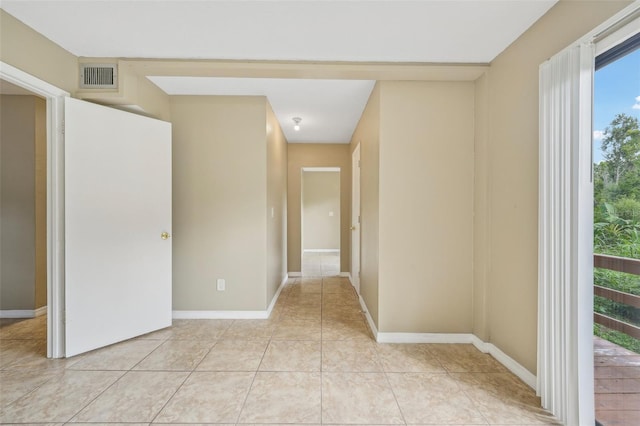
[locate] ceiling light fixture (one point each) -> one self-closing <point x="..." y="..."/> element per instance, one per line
<point x="296" y="126"/>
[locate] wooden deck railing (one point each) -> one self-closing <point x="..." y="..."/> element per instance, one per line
<point x="620" y="264"/>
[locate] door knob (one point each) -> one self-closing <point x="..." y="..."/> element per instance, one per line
<point x="353" y="228"/>
<point x="165" y="236"/>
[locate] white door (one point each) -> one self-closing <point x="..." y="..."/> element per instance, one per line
<point x="355" y="219"/>
<point x="117" y="206"/>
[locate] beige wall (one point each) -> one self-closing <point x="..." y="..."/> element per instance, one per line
<point x="23" y="48"/>
<point x="317" y="155"/>
<point x="219" y="202"/>
<point x="367" y="135"/>
<point x="41" y="201"/>
<point x="320" y="199"/>
<point x="22" y="203"/>
<point x="511" y="161"/>
<point x="426" y="207"/>
<point x="276" y="204"/>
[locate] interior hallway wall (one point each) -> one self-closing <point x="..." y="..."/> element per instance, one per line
<point x="320" y="210"/>
<point x="317" y="155"/>
<point x="23" y="147"/>
<point x="219" y="202"/>
<point x="426" y="207"/>
<point x="367" y="135"/>
<point x="276" y="214"/>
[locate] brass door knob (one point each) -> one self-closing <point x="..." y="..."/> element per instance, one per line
<point x="165" y="236"/>
<point x="353" y="228"/>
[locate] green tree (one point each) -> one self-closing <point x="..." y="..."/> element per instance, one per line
<point x="621" y="146"/>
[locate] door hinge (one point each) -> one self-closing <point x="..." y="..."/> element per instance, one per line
<point x="63" y="127"/>
<point x="358" y="218"/>
<point x="359" y="163"/>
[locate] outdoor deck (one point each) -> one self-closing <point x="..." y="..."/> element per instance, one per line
<point x="617" y="384"/>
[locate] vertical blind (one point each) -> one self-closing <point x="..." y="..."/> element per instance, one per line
<point x="565" y="221"/>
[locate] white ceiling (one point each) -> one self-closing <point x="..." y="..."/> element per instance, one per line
<point x="424" y="31"/>
<point x="330" y="109"/>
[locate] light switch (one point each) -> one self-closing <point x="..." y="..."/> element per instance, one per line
<point x="220" y="284"/>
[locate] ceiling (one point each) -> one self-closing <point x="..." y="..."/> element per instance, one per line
<point x="427" y="31"/>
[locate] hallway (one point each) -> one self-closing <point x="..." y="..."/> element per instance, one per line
<point x="313" y="362"/>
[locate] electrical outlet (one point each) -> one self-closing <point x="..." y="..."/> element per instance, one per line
<point x="221" y="285"/>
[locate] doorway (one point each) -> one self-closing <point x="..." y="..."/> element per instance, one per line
<point x="355" y="219"/>
<point x="53" y="252"/>
<point x="320" y="221"/>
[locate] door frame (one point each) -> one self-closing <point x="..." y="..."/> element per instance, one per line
<point x="330" y="169"/>
<point x="355" y="224"/>
<point x="55" y="200"/>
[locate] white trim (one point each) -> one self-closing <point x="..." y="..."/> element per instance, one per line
<point x="426" y="338"/>
<point x="275" y="297"/>
<point x="321" y="250"/>
<point x="294" y="274"/>
<point x="321" y="169"/>
<point x="18" y="313"/>
<point x="233" y="314"/>
<point x="345" y="275"/>
<point x="23" y="313"/>
<point x="40" y="311"/>
<point x="55" y="200"/>
<point x="372" y="325"/>
<point x="512" y="365"/>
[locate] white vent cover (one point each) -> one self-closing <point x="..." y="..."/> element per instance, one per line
<point x="98" y="76"/>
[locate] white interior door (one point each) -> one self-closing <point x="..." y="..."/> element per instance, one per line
<point x="355" y="219"/>
<point x="117" y="205"/>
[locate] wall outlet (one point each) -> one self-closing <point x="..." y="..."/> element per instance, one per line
<point x="221" y="285"/>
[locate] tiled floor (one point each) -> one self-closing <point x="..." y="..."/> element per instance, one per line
<point x="312" y="362"/>
<point x="320" y="264"/>
<point x="617" y="384"/>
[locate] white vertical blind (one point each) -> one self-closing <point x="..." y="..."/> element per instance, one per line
<point x="565" y="274"/>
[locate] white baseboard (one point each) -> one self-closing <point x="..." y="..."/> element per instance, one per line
<point x="321" y="250"/>
<point x="41" y="311"/>
<point x="22" y="313"/>
<point x="466" y="338"/>
<point x="345" y="275"/>
<point x="425" y="338"/>
<point x="232" y="314"/>
<point x="294" y="274"/>
<point x="372" y="325"/>
<point x="512" y="365"/>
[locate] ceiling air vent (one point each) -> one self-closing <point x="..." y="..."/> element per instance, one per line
<point x="98" y="76"/>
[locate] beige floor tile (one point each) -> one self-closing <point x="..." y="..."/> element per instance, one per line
<point x="302" y="314"/>
<point x="462" y="358"/>
<point x="343" y="316"/>
<point x="24" y="329"/>
<point x="502" y="398"/>
<point x="121" y="356"/>
<point x="407" y="358"/>
<point x="358" y="398"/>
<point x="137" y="397"/>
<point x="27" y="355"/>
<point x="176" y="355"/>
<point x="350" y="356"/>
<point x="304" y="299"/>
<point x="15" y="384"/>
<point x="283" y="397"/>
<point x="249" y="330"/>
<point x="297" y="330"/>
<point x="59" y="400"/>
<point x="346" y="330"/>
<point x="340" y="299"/>
<point x="201" y="329"/>
<point x="234" y="355"/>
<point x="433" y="397"/>
<point x="285" y="355"/>
<point x="208" y="397"/>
